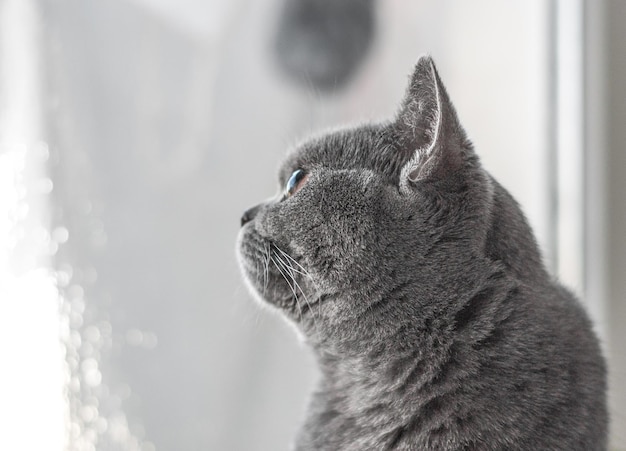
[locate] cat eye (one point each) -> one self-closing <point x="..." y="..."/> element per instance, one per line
<point x="295" y="182"/>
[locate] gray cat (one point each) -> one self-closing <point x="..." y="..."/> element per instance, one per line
<point x="416" y="280"/>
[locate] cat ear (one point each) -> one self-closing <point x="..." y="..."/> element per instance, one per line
<point x="427" y="127"/>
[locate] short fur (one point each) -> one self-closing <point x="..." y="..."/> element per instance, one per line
<point x="417" y="282"/>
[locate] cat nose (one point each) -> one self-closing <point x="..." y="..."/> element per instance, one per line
<point x="249" y="215"/>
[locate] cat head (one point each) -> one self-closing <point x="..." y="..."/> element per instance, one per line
<point x="378" y="217"/>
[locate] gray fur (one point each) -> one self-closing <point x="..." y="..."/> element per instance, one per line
<point x="416" y="280"/>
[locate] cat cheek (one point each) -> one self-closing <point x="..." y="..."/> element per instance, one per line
<point x="282" y="223"/>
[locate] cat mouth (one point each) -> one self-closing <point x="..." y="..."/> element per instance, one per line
<point x="275" y="276"/>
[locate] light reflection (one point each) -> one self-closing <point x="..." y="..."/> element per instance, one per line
<point x="44" y="186"/>
<point x="31" y="387"/>
<point x="77" y="305"/>
<point x="88" y="413"/>
<point x="53" y="247"/>
<point x="88" y="349"/>
<point x="57" y="336"/>
<point x="144" y="339"/>
<point x="52" y="392"/>
<point x="92" y="334"/>
<point x="149" y="340"/>
<point x="101" y="425"/>
<point x="60" y="235"/>
<point x="134" y="337"/>
<point x="91" y="373"/>
<point x="76" y="292"/>
<point x="97" y="415"/>
<point x="63" y="278"/>
<point x="21" y="213"/>
<point x="52" y="303"/>
<point x="41" y="151"/>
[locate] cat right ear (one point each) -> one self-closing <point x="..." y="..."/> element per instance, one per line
<point x="427" y="127"/>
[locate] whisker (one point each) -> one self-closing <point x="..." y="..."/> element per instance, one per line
<point x="292" y="288"/>
<point x="266" y="259"/>
<point x="291" y="270"/>
<point x="303" y="272"/>
<point x="287" y="270"/>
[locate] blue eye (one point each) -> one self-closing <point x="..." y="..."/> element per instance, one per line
<point x="295" y="182"/>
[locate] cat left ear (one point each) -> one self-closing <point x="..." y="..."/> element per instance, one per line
<point x="427" y="127"/>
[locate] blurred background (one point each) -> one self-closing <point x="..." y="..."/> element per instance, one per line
<point x="134" y="133"/>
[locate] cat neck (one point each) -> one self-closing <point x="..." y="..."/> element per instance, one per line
<point x="424" y="330"/>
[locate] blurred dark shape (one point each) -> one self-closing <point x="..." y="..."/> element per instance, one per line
<point x="321" y="43"/>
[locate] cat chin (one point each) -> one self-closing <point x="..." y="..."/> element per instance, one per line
<point x="258" y="298"/>
<point x="268" y="306"/>
<point x="246" y="278"/>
